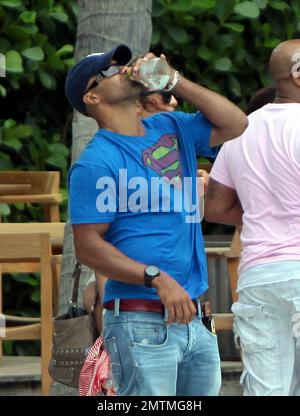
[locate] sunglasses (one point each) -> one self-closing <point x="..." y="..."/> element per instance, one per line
<point x="166" y="96"/>
<point x="111" y="70"/>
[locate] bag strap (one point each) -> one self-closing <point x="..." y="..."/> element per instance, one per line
<point x="76" y="276"/>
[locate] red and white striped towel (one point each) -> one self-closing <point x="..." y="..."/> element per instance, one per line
<point x="95" y="377"/>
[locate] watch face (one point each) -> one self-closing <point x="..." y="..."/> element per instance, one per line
<point x="152" y="271"/>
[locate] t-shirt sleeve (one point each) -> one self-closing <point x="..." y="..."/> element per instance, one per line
<point x="220" y="171"/>
<point x="92" y="194"/>
<point x="198" y="129"/>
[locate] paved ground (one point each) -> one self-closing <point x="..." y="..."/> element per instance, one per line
<point x="21" y="376"/>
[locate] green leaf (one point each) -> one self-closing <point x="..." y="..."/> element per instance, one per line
<point x="157" y="9"/>
<point x="57" y="161"/>
<point x="36" y="296"/>
<point x="262" y="4"/>
<point x="272" y="43"/>
<point x="178" y="34"/>
<point x="155" y="37"/>
<point x="168" y="43"/>
<point x="223" y="64"/>
<point x="236" y="27"/>
<point x="14" y="144"/>
<point x="9" y="123"/>
<point x="10" y="3"/>
<point x="30" y="29"/>
<point x="224" y="9"/>
<point x="4" y="209"/>
<point x="60" y="16"/>
<point x="33" y="66"/>
<point x="265" y="78"/>
<point x="5" y="45"/>
<point x="278" y="5"/>
<point x="36" y="53"/>
<point x="266" y="27"/>
<point x="210" y="28"/>
<point x="54" y="62"/>
<point x="204" y="53"/>
<point x="290" y="30"/>
<point x="247" y="9"/>
<point x="17" y="32"/>
<point x="227" y="41"/>
<point x="58" y="149"/>
<point x="21" y="130"/>
<point x="69" y="62"/>
<point x="180" y="5"/>
<point x="13" y="62"/>
<point x="14" y="83"/>
<point x="40" y="39"/>
<point x="25" y="278"/>
<point x="2" y="91"/>
<point x="45" y="78"/>
<point x="28" y="17"/>
<point x="12" y="135"/>
<point x="205" y="4"/>
<point x="66" y="49"/>
<point x="234" y="85"/>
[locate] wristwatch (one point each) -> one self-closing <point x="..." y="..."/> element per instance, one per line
<point x="150" y="273"/>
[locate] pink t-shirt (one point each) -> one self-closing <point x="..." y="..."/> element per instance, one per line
<point x="263" y="166"/>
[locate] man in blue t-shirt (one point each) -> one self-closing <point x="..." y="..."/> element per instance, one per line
<point x="135" y="216"/>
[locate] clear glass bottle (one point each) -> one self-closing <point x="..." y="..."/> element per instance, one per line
<point x="155" y="74"/>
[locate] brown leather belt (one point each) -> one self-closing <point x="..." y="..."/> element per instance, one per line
<point x="139" y="305"/>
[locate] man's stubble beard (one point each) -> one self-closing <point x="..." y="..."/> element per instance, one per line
<point x="134" y="92"/>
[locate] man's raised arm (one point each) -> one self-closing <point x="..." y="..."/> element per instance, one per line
<point x="227" y="119"/>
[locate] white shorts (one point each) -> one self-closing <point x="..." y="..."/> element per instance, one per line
<point x="267" y="327"/>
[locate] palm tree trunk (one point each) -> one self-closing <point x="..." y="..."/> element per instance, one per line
<point x="101" y="25"/>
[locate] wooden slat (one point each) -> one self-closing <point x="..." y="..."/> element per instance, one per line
<point x="10" y="319"/>
<point x="14" y="188"/>
<point x="55" y="229"/>
<point x="41" y="182"/>
<point x="217" y="251"/>
<point x="31" y="199"/>
<point x="24" y="332"/>
<point x="223" y="321"/>
<point x="21" y="267"/>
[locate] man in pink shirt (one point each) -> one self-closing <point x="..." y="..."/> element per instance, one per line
<point x="255" y="182"/>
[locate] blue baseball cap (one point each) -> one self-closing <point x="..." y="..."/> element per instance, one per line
<point x="78" y="77"/>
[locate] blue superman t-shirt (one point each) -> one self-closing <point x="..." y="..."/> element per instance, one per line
<point x="145" y="187"/>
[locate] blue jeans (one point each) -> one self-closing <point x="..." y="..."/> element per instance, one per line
<point x="150" y="358"/>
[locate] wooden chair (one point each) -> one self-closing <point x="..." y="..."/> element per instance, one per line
<point x="224" y="321"/>
<point x="34" y="247"/>
<point x="32" y="187"/>
<point x="56" y="231"/>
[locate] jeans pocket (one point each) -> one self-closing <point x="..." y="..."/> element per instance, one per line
<point x="211" y="332"/>
<point x="252" y="327"/>
<point x="111" y="347"/>
<point x="149" y="334"/>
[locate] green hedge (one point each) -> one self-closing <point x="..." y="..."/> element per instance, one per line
<point x="224" y="45"/>
<point x="37" y="39"/>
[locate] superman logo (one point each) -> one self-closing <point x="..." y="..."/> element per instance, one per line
<point x="163" y="157"/>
